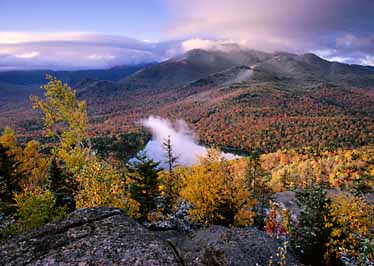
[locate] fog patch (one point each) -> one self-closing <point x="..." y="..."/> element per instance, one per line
<point x="183" y="141"/>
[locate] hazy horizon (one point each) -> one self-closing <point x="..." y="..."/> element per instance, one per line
<point x="77" y="35"/>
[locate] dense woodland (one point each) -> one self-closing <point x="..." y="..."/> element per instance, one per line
<point x="330" y="167"/>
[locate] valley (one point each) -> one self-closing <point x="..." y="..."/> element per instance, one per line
<point x="241" y="100"/>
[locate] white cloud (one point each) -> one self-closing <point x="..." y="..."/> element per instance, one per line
<point x="101" y="57"/>
<point x="296" y="26"/>
<point x="75" y="50"/>
<point x="206" y="44"/>
<point x="25" y="37"/>
<point x="182" y="139"/>
<point x="368" y="60"/>
<point x="197" y="44"/>
<point x="27" y="55"/>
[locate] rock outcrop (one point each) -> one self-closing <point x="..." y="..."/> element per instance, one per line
<point x="106" y="236"/>
<point x="97" y="236"/>
<point x="221" y="246"/>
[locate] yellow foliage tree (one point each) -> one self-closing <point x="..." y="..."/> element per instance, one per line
<point x="9" y="140"/>
<point x="352" y="222"/>
<point x="65" y="118"/>
<point x="101" y="185"/>
<point x="217" y="193"/>
<point x="34" y="164"/>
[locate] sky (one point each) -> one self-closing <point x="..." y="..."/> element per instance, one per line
<point x="74" y="34"/>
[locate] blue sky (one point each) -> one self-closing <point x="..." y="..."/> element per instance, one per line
<point x="72" y="34"/>
<point x="134" y="18"/>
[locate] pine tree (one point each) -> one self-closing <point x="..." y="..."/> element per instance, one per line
<point x="169" y="180"/>
<point x="171" y="157"/>
<point x="253" y="170"/>
<point x="62" y="186"/>
<point x="310" y="235"/>
<point x="144" y="185"/>
<point x="10" y="179"/>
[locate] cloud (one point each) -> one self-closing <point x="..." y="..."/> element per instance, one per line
<point x="27" y="55"/>
<point x="342" y="29"/>
<point x="206" y="44"/>
<point x="182" y="139"/>
<point x="368" y="60"/>
<point x="76" y="50"/>
<point x="289" y="25"/>
<point x="101" y="57"/>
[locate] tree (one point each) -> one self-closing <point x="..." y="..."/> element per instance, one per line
<point x="253" y="170"/>
<point x="310" y="235"/>
<point x="10" y="179"/>
<point x="9" y="140"/>
<point x="171" y="157"/>
<point x="350" y="224"/>
<point x="62" y="186"/>
<point x="169" y="179"/>
<point x="99" y="184"/>
<point x="217" y="191"/>
<point x="65" y="118"/>
<point x="257" y="183"/>
<point x="143" y="182"/>
<point x="34" y="164"/>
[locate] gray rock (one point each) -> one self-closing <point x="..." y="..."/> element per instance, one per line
<point x="218" y="245"/>
<point x="288" y="199"/>
<point x="106" y="236"/>
<point x="96" y="236"/>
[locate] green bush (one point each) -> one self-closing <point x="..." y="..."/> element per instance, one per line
<point x="36" y="207"/>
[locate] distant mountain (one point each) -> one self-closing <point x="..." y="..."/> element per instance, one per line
<point x="93" y="87"/>
<point x="201" y="65"/>
<point x="309" y="67"/>
<point x="236" y="74"/>
<point x="178" y="71"/>
<point x="28" y="77"/>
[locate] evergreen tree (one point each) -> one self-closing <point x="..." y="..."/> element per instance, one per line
<point x="169" y="179"/>
<point x="254" y="170"/>
<point x="10" y="179"/>
<point x="144" y="185"/>
<point x="256" y="182"/>
<point x="310" y="235"/>
<point x="62" y="186"/>
<point x="171" y="159"/>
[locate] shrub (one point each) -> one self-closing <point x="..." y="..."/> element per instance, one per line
<point x="99" y="184"/>
<point x="352" y="222"/>
<point x="36" y="207"/>
<point x="279" y="221"/>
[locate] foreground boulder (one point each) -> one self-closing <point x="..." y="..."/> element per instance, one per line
<point x="221" y="246"/>
<point x="97" y="236"/>
<point x="106" y="236"/>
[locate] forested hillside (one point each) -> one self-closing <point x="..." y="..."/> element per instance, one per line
<point x="317" y="201"/>
<point x="241" y="99"/>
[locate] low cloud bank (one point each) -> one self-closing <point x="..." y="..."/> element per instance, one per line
<point x="78" y="50"/>
<point x="182" y="139"/>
